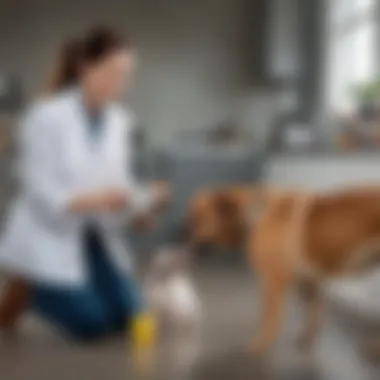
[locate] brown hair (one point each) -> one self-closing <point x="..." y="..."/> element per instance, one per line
<point x="93" y="47"/>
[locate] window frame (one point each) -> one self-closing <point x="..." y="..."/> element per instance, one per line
<point x="338" y="31"/>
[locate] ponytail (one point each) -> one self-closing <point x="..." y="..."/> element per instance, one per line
<point x="66" y="70"/>
<point x="96" y="45"/>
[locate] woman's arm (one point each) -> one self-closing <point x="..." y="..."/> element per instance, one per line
<point x="143" y="198"/>
<point x="42" y="169"/>
<point x="40" y="165"/>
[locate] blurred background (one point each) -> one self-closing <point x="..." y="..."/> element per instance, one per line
<point x="284" y="92"/>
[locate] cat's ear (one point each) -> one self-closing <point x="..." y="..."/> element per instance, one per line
<point x="185" y="256"/>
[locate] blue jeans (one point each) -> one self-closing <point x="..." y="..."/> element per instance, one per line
<point x="103" y="305"/>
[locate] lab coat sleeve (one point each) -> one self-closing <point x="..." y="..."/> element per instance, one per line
<point x="141" y="195"/>
<point x="40" y="167"/>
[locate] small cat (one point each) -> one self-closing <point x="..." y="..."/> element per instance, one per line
<point x="170" y="291"/>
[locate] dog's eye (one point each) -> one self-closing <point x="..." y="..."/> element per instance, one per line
<point x="226" y="206"/>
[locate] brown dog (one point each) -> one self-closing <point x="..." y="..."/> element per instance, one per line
<point x="297" y="238"/>
<point x="222" y="216"/>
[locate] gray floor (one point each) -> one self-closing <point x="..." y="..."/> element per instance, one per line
<point x="229" y="299"/>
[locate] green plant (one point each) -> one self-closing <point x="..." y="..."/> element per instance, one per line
<point x="367" y="92"/>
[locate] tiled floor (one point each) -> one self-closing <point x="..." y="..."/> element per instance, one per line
<point x="230" y="308"/>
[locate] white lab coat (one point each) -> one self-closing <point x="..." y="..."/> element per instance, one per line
<point x="58" y="160"/>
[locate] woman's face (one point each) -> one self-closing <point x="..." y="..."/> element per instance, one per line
<point x="106" y="79"/>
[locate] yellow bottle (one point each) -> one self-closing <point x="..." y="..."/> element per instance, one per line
<point x="142" y="340"/>
<point x="143" y="331"/>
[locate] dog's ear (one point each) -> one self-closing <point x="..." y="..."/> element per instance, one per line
<point x="185" y="256"/>
<point x="226" y="204"/>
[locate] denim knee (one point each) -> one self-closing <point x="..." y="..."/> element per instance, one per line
<point x="90" y="324"/>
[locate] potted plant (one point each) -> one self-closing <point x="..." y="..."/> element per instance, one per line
<point x="367" y="96"/>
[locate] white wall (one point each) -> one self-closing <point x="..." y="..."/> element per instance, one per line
<point x="193" y="61"/>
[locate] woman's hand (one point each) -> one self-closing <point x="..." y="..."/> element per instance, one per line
<point x="161" y="194"/>
<point x="108" y="200"/>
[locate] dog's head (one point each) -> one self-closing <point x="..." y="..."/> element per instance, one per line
<point x="221" y="216"/>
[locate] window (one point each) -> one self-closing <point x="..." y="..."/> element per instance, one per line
<point x="352" y="56"/>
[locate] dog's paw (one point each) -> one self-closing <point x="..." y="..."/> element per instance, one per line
<point x="371" y="350"/>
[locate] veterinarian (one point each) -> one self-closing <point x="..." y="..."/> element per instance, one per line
<point x="64" y="232"/>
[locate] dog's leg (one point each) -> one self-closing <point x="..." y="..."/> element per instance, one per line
<point x="310" y="294"/>
<point x="371" y="349"/>
<point x="274" y="289"/>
